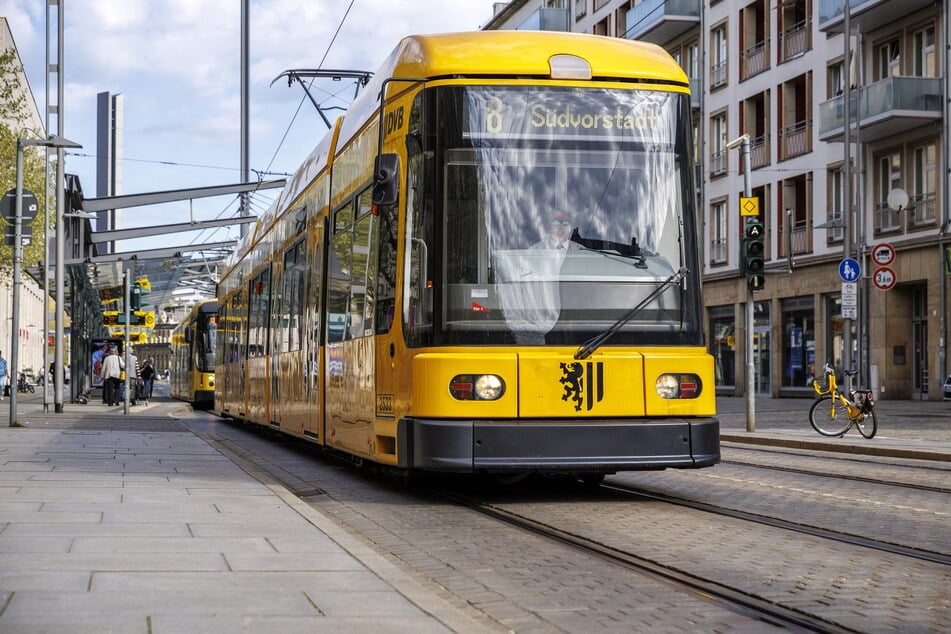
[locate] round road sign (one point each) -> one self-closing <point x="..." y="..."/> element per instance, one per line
<point x="884" y="278"/>
<point x="883" y="254"/>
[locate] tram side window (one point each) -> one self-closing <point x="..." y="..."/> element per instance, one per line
<point x="338" y="292"/>
<point x="292" y="306"/>
<point x="417" y="291"/>
<point x="385" y="237"/>
<point x="259" y="314"/>
<point x="236" y="327"/>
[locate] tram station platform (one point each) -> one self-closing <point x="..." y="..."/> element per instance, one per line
<point x="143" y="522"/>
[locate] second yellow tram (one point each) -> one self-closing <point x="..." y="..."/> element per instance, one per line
<point x="194" y="346"/>
<point x="404" y="301"/>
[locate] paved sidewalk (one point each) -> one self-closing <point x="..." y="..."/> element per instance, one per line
<point x="133" y="523"/>
<point x="906" y="429"/>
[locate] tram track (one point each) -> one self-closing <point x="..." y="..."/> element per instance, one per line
<point x="839" y="476"/>
<point x="812" y="531"/>
<point x="733" y="599"/>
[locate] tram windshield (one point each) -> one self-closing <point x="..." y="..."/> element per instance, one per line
<point x="558" y="210"/>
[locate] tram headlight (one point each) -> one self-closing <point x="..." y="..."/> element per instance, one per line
<point x="476" y="387"/>
<point x="678" y="386"/>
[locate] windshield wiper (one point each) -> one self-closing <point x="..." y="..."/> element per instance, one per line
<point x="622" y="248"/>
<point x="595" y="342"/>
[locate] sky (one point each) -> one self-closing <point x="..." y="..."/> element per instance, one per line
<point x="177" y="64"/>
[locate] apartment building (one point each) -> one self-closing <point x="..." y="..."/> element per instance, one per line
<point x="776" y="70"/>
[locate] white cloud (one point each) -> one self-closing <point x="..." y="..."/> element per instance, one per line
<point x="177" y="65"/>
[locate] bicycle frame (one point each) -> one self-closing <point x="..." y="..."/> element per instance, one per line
<point x="855" y="410"/>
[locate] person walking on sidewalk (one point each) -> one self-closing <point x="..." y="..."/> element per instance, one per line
<point x="111" y="372"/>
<point x="3" y="376"/>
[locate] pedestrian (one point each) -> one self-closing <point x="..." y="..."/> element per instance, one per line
<point x="3" y="376"/>
<point x="148" y="375"/>
<point x="132" y="371"/>
<point x="111" y="372"/>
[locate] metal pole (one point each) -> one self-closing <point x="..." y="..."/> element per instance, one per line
<point x="847" y="182"/>
<point x="750" y="361"/>
<point x="245" y="124"/>
<point x="127" y="295"/>
<point x="58" y="373"/>
<point x="15" y="312"/>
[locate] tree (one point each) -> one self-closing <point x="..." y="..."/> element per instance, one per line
<point x="14" y="114"/>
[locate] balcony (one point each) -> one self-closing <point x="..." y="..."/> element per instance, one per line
<point x="546" y="20"/>
<point x="660" y="21"/>
<point x="795" y="40"/>
<point x="922" y="210"/>
<point x="868" y="15"/>
<point x="696" y="93"/>
<point x="755" y="60"/>
<point x="718" y="251"/>
<point x="887" y="107"/>
<point x="798" y="239"/>
<point x="796" y="139"/>
<point x="718" y="163"/>
<point x="886" y="219"/>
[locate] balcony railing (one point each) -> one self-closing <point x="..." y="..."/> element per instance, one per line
<point x="796" y="139"/>
<point x="836" y="228"/>
<point x="546" y="20"/>
<point x="755" y="59"/>
<point x="795" y="40"/>
<point x="718" y="75"/>
<point x="866" y="15"/>
<point x="759" y="152"/>
<point x="799" y="235"/>
<point x="718" y="163"/>
<point x="718" y="251"/>
<point x="696" y="93"/>
<point x="922" y="210"/>
<point x="886" y="218"/>
<point x="660" y="21"/>
<point x="887" y="107"/>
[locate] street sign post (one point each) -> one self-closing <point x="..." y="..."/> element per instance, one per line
<point x="884" y="278"/>
<point x="883" y="254"/>
<point x="849" y="270"/>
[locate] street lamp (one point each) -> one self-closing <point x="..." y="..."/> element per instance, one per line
<point x="52" y="141"/>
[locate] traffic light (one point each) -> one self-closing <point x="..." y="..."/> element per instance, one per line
<point x="753" y="262"/>
<point x="136" y="301"/>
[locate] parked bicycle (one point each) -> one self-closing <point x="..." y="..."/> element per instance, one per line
<point x="836" y="411"/>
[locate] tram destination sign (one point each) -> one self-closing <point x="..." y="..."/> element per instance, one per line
<point x="509" y="113"/>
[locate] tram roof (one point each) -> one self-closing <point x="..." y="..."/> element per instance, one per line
<point x="521" y="53"/>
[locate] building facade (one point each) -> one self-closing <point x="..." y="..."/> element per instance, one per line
<point x="869" y="182"/>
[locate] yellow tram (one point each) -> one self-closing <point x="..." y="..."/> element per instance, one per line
<point x="489" y="264"/>
<point x="194" y="346"/>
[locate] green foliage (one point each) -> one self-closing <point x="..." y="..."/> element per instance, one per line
<point x="13" y="115"/>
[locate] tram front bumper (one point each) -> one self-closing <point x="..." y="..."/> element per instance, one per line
<point x="553" y="446"/>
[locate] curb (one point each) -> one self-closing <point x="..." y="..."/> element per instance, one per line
<point x="817" y="445"/>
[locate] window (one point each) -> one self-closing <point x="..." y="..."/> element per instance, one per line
<point x="923" y="206"/>
<point x="888" y="177"/>
<point x="350" y="301"/>
<point x="718" y="141"/>
<point x="835" y="80"/>
<point x="923" y="53"/>
<point x="693" y="60"/>
<point x="723" y="344"/>
<point x="799" y="342"/>
<point x="888" y="60"/>
<point x="259" y="314"/>
<point x="718" y="233"/>
<point x="292" y="304"/>
<point x="718" y="56"/>
<point x="836" y="205"/>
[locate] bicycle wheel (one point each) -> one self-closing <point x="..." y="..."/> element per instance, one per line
<point x="868" y="425"/>
<point x="829" y="417"/>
